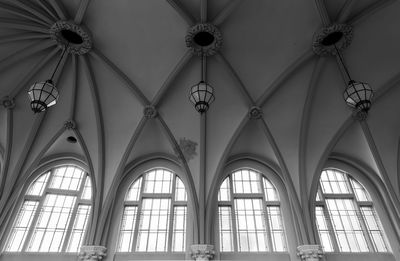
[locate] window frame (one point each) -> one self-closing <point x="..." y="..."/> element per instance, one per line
<point x="379" y="196"/>
<point x="22" y="197"/>
<point x="271" y="171"/>
<point x="139" y="205"/>
<point x="132" y="172"/>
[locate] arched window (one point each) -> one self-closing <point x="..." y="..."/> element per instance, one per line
<point x="155" y="214"/>
<point x="249" y="214"/>
<point x="345" y="215"/>
<point x="54" y="212"/>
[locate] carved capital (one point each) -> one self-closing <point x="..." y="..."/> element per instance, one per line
<point x="70" y="125"/>
<point x="310" y="252"/>
<point x="150" y="112"/>
<point x="92" y="253"/>
<point x="255" y="113"/>
<point x="202" y="252"/>
<point x="8" y="102"/>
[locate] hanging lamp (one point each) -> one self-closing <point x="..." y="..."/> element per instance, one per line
<point x="45" y="94"/>
<point x="202" y="94"/>
<point x="357" y="95"/>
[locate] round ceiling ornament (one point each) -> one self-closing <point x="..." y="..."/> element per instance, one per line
<point x="325" y="40"/>
<point x="204" y="39"/>
<point x="77" y="37"/>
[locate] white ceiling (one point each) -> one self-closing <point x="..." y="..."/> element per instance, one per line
<point x="140" y="45"/>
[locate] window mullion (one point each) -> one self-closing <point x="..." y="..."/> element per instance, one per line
<point x="38" y="209"/>
<point x="138" y="213"/>
<point x="233" y="216"/>
<point x="171" y="215"/>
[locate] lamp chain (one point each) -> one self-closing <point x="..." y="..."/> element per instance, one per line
<point x="203" y="68"/>
<point x="59" y="61"/>
<point x="342" y="62"/>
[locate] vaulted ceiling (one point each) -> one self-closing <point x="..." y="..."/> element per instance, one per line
<point x="139" y="58"/>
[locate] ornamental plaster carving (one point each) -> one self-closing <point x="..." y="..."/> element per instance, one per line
<point x="255" y="113"/>
<point x="188" y="148"/>
<point x="310" y="252"/>
<point x="7" y="102"/>
<point x="202" y="252"/>
<point x="208" y="50"/>
<point x="84" y="47"/>
<point x="70" y="125"/>
<point x="150" y="112"/>
<point x="92" y="253"/>
<point x="343" y="43"/>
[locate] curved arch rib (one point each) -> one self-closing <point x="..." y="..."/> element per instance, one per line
<point x="182" y="12"/>
<point x="83" y="5"/>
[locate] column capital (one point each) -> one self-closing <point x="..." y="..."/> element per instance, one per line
<point x="310" y="252"/>
<point x="92" y="253"/>
<point x="202" y="252"/>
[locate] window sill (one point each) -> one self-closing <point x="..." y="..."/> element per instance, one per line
<point x="149" y="256"/>
<point x="333" y="256"/>
<point x="254" y="256"/>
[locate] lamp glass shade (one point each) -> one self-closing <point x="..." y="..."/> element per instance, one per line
<point x="42" y="95"/>
<point x="358" y="95"/>
<point x="201" y="96"/>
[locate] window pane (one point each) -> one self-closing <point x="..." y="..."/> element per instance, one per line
<point x="134" y="191"/>
<point x="52" y="223"/>
<point x="21" y="226"/>
<point x="374" y="228"/>
<point x="225" y="229"/>
<point x="67" y="178"/>
<point x="180" y="190"/>
<point x="346" y="225"/>
<point x="37" y="187"/>
<point x="334" y="181"/>
<point x="246" y="181"/>
<point x="270" y="191"/>
<point x="127" y="229"/>
<point x="154" y="225"/>
<point x="224" y="193"/>
<point x="87" y="189"/>
<point x="276" y="227"/>
<point x="158" y="181"/>
<point x="248" y="211"/>
<point x="179" y="229"/>
<point x="79" y="228"/>
<point x="361" y="193"/>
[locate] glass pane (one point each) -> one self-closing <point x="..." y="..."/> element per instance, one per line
<point x="37" y="187"/>
<point x="67" y="178"/>
<point x="52" y="223"/>
<point x="276" y="228"/>
<point x="248" y="214"/>
<point x="346" y="225"/>
<point x="79" y="228"/>
<point x="158" y="181"/>
<point x="134" y="191"/>
<point x="334" y="182"/>
<point x="375" y="230"/>
<point x="87" y="189"/>
<point x="21" y="226"/>
<point x="127" y="229"/>
<point x="224" y="193"/>
<point x="179" y="229"/>
<point x="180" y="190"/>
<point x="154" y="225"/>
<point x="246" y="181"/>
<point x="360" y="191"/>
<point x="270" y="191"/>
<point x="225" y="229"/>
